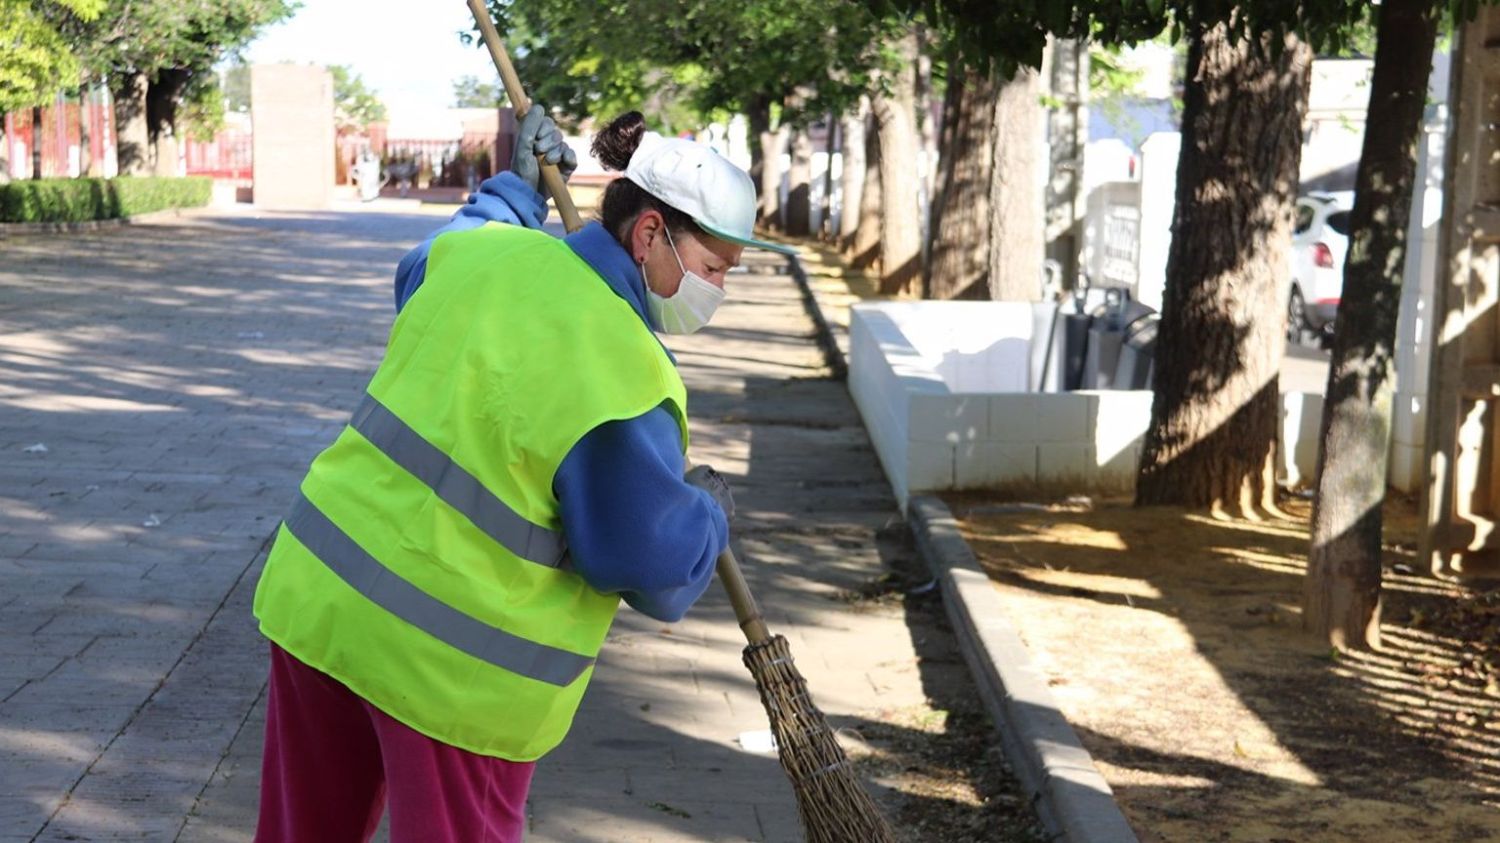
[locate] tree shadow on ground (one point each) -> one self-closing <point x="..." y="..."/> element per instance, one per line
<point x="1138" y="592"/>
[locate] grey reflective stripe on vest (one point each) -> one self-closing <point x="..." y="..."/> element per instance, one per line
<point x="383" y="587"/>
<point x="457" y="487"/>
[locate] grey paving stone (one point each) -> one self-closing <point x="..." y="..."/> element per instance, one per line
<point x="188" y="370"/>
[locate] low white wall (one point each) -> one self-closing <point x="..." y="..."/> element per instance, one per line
<point x="907" y="361"/>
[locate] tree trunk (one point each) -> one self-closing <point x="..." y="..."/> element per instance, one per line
<point x="36" y="142"/>
<point x="4" y="152"/>
<point x="131" y="137"/>
<point x="852" y="174"/>
<point x="799" y="198"/>
<point x="927" y="135"/>
<point x="1341" y="598"/>
<point x="758" y="118"/>
<point x="830" y="148"/>
<point x="85" y="147"/>
<point x="1016" y="192"/>
<point x="900" y="213"/>
<point x="1067" y="129"/>
<point x="772" y="143"/>
<point x="864" y="249"/>
<point x="960" y="233"/>
<point x="162" y="99"/>
<point x="1212" y="438"/>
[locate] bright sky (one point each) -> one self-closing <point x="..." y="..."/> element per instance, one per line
<point x="406" y="50"/>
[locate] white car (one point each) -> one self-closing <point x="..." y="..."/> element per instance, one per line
<point x="1320" y="240"/>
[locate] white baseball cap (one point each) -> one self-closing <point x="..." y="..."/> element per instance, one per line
<point x="702" y="184"/>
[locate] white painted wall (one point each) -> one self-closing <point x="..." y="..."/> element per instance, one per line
<point x="1414" y="328"/>
<point x="937" y="425"/>
<point x="1158" y="202"/>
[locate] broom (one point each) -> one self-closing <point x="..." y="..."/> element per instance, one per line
<point x="834" y="807"/>
<point x="832" y="804"/>
<point x="551" y="176"/>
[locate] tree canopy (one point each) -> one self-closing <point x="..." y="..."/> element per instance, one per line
<point x="149" y="36"/>
<point x="38" y="60"/>
<point x="1013" y="33"/>
<point x="354" y="104"/>
<point x="681" y="60"/>
<point x="470" y="92"/>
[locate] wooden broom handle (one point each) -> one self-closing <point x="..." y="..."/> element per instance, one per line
<point x="745" y="607"/>
<point x="746" y="610"/>
<point x="551" y="176"/>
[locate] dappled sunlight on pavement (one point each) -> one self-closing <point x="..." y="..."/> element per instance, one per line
<point x="179" y="376"/>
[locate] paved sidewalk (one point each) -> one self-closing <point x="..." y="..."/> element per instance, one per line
<point x="180" y="375"/>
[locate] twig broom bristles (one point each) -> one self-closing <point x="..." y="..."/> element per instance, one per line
<point x="833" y="805"/>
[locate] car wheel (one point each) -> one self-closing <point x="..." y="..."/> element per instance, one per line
<point x="1296" y="318"/>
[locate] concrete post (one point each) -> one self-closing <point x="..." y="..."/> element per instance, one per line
<point x="291" y="111"/>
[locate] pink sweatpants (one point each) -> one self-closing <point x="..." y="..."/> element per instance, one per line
<point x="333" y="760"/>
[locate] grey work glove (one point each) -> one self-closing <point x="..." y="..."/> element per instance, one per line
<point x="539" y="136"/>
<point x="712" y="482"/>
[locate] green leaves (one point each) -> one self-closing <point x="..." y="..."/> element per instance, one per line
<point x="354" y="104"/>
<point x="37" y="60"/>
<point x="469" y="92"/>
<point x="79" y="200"/>
<point x="681" y="62"/>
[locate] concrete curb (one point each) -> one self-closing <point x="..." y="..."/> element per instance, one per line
<point x="16" y="229"/>
<point x="831" y="351"/>
<point x="1072" y="799"/>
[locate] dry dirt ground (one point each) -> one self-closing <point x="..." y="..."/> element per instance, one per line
<point x="1173" y="644"/>
<point x="940" y="762"/>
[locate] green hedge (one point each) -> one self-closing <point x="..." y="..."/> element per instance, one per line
<point x="80" y="200"/>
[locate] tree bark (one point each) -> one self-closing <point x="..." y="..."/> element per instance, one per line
<point x="1067" y="129"/>
<point x="900" y="214"/>
<point x="772" y="143"/>
<point x="85" y="148"/>
<point x="36" y="142"/>
<point x="1341" y="597"/>
<point x="1016" y="192"/>
<point x="927" y="134"/>
<point x="758" y="120"/>
<point x="162" y="99"/>
<point x="131" y="137"/>
<point x="4" y="152"/>
<point x="1212" y="438"/>
<point x="959" y="263"/>
<point x="852" y="174"/>
<point x="799" y="198"/>
<point x="864" y="249"/>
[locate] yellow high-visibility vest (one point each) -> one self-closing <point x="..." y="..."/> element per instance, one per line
<point x="423" y="564"/>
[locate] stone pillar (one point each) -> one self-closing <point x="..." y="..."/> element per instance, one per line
<point x="1414" y="330"/>
<point x="1067" y="135"/>
<point x="1158" y="201"/>
<point x="291" y="112"/>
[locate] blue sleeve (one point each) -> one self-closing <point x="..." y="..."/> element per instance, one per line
<point x="633" y="526"/>
<point x="503" y="199"/>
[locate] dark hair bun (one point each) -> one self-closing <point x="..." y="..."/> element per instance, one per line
<point x="614" y="145"/>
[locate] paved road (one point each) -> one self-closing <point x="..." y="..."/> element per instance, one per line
<point x="1305" y="369"/>
<point x="180" y="375"/>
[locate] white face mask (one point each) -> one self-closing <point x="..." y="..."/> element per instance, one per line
<point x="689" y="308"/>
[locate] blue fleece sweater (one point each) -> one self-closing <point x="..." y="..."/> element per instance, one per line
<point x="633" y="526"/>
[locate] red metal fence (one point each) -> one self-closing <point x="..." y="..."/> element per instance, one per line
<point x="229" y="156"/>
<point x="58" y="134"/>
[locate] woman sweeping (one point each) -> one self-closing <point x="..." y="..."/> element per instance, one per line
<point x="440" y="590"/>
